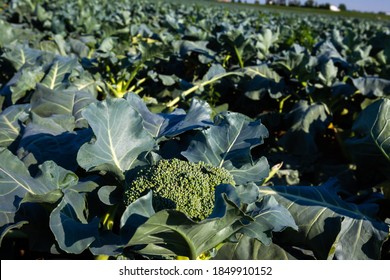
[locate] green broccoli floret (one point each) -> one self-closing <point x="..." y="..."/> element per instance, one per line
<point x="177" y="184"/>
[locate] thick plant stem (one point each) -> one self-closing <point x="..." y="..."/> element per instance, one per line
<point x="196" y="87"/>
<point x="108" y="224"/>
<point x="240" y="62"/>
<point x="273" y="171"/>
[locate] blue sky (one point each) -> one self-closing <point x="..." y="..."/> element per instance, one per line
<point x="359" y="5"/>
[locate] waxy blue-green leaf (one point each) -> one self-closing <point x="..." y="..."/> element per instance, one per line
<point x="49" y="139"/>
<point x="86" y="82"/>
<point x="19" y="55"/>
<point x="350" y="245"/>
<point x="263" y="80"/>
<point x="57" y="178"/>
<point x="70" y="225"/>
<point x="252" y="171"/>
<point x="326" y="50"/>
<point x="59" y="72"/>
<point x="111" y="244"/>
<point x="380" y="130"/>
<point x="10" y="224"/>
<point x="228" y="144"/>
<point x="248" y="193"/>
<point x="16" y="182"/>
<point x="172" y="233"/>
<point x="107" y="243"/>
<point x="328" y="73"/>
<point x="306" y="121"/>
<point x="18" y="186"/>
<point x="107" y="195"/>
<point x="215" y="70"/>
<point x="11" y="33"/>
<point x="136" y="214"/>
<point x="120" y="137"/>
<point x="175" y="123"/>
<point x="187" y="47"/>
<point x="327" y="224"/>
<point x="81" y="100"/>
<point x="372" y="140"/>
<point x="247" y="248"/>
<point x="46" y="102"/>
<point x="10" y="124"/>
<point x="264" y="71"/>
<point x="23" y="81"/>
<point x="372" y="86"/>
<point x="264" y="42"/>
<point x="69" y="103"/>
<point x="269" y="217"/>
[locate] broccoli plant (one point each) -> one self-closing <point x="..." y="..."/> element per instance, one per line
<point x="177" y="184"/>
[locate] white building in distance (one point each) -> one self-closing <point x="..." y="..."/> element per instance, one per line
<point x="334" y="8"/>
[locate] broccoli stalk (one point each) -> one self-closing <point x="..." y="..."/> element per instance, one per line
<point x="177" y="184"/>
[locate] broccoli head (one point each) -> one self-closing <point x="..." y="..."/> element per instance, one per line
<point x="177" y="184"/>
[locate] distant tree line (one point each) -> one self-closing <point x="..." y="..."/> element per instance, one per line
<point x="298" y="3"/>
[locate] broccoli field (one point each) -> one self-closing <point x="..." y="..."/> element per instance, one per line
<point x="179" y="130"/>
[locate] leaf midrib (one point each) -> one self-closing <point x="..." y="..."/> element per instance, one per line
<point x="312" y="202"/>
<point x="26" y="187"/>
<point x="231" y="145"/>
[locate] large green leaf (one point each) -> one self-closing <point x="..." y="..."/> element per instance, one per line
<point x="228" y="144"/>
<point x="135" y="215"/>
<point x="57" y="178"/>
<point x="18" y="188"/>
<point x="59" y="72"/>
<point x="268" y="217"/>
<point x="366" y="243"/>
<point x="11" y="33"/>
<point x="247" y="248"/>
<point x="306" y="121"/>
<point x="19" y="55"/>
<point x="264" y="42"/>
<point x="85" y="81"/>
<point x="70" y="225"/>
<point x="49" y="139"/>
<point x="10" y="124"/>
<point x="110" y="243"/>
<point x="252" y="171"/>
<point x="188" y="47"/>
<point x="16" y="182"/>
<point x="328" y="225"/>
<point x="264" y="71"/>
<point x="263" y="80"/>
<point x="261" y="217"/>
<point x="8" y="224"/>
<point x="372" y="86"/>
<point x="69" y="103"/>
<point x="380" y="130"/>
<point x="46" y="102"/>
<point x="81" y="100"/>
<point x="120" y="137"/>
<point x="172" y="233"/>
<point x="31" y="66"/>
<point x="175" y="123"/>
<point x="23" y="81"/>
<point x="328" y="73"/>
<point x="371" y="143"/>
